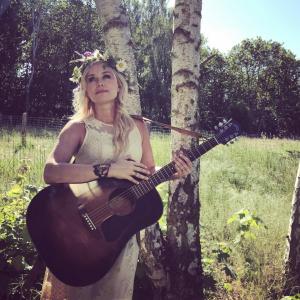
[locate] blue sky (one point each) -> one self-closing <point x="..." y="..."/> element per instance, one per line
<point x="225" y="23"/>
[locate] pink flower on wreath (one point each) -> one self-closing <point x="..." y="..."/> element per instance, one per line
<point x="87" y="53"/>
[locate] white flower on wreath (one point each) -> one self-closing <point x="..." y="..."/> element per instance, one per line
<point x="121" y="65"/>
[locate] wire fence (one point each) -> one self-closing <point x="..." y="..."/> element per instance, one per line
<point x="29" y="140"/>
<point x="16" y="122"/>
<point x="40" y="126"/>
<point x="44" y="124"/>
<point x="26" y="140"/>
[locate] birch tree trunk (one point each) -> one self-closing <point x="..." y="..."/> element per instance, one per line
<point x="292" y="260"/>
<point x="184" y="205"/>
<point x="118" y="40"/>
<point x="153" y="255"/>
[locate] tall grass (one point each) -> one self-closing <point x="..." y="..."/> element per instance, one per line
<point x="13" y="154"/>
<point x="258" y="175"/>
<point x="253" y="174"/>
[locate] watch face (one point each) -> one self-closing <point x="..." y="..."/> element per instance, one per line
<point x="102" y="169"/>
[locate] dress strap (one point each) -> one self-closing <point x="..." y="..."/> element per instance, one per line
<point x="180" y="130"/>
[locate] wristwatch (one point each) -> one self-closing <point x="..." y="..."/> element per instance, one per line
<point x="101" y="170"/>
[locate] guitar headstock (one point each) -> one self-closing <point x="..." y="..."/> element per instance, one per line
<point x="227" y="132"/>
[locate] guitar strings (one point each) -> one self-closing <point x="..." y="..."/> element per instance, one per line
<point x="129" y="192"/>
<point x="99" y="212"/>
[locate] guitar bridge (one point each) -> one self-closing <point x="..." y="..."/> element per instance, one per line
<point x="87" y="218"/>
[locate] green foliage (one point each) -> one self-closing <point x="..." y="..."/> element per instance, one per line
<point x="66" y="26"/>
<point x="16" y="250"/>
<point x="228" y="287"/>
<point x="222" y="253"/>
<point x="164" y="194"/>
<point x="291" y="297"/>
<point x="263" y="82"/>
<point x="151" y="27"/>
<point x="256" y="84"/>
<point x="247" y="221"/>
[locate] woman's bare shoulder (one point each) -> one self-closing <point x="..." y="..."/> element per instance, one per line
<point x="73" y="130"/>
<point x="73" y="127"/>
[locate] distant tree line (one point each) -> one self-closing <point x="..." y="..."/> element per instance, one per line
<point x="255" y="83"/>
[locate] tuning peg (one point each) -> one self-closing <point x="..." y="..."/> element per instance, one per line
<point x="220" y="124"/>
<point x="224" y="121"/>
<point x="216" y="127"/>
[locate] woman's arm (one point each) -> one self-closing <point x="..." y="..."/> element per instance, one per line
<point x="58" y="168"/>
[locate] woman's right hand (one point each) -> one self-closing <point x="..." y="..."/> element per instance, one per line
<point x="126" y="168"/>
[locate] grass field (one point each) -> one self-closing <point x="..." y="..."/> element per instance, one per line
<point x="253" y="176"/>
<point x="256" y="177"/>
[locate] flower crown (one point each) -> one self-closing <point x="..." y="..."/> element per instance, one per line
<point x="88" y="57"/>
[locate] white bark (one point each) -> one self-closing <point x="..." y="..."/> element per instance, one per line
<point x="184" y="206"/>
<point x="152" y="253"/>
<point x="118" y="40"/>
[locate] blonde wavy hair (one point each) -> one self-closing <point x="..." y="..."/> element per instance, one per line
<point x="83" y="109"/>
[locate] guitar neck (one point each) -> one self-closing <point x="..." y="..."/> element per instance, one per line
<point x="166" y="172"/>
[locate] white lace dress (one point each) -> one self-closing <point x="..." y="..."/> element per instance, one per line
<point x="117" y="284"/>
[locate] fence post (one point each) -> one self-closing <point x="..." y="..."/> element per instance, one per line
<point x="10" y="118"/>
<point x="24" y="128"/>
<point x="292" y="256"/>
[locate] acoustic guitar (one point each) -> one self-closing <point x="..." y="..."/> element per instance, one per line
<point x="80" y="229"/>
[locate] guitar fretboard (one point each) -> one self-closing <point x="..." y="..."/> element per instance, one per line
<point x="166" y="172"/>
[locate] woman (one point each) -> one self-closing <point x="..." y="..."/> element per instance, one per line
<point x="102" y="140"/>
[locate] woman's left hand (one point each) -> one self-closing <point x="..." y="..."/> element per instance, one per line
<point x="183" y="165"/>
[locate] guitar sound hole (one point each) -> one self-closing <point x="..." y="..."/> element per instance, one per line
<point x="114" y="226"/>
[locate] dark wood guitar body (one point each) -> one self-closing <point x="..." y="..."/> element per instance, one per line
<point x="75" y="252"/>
